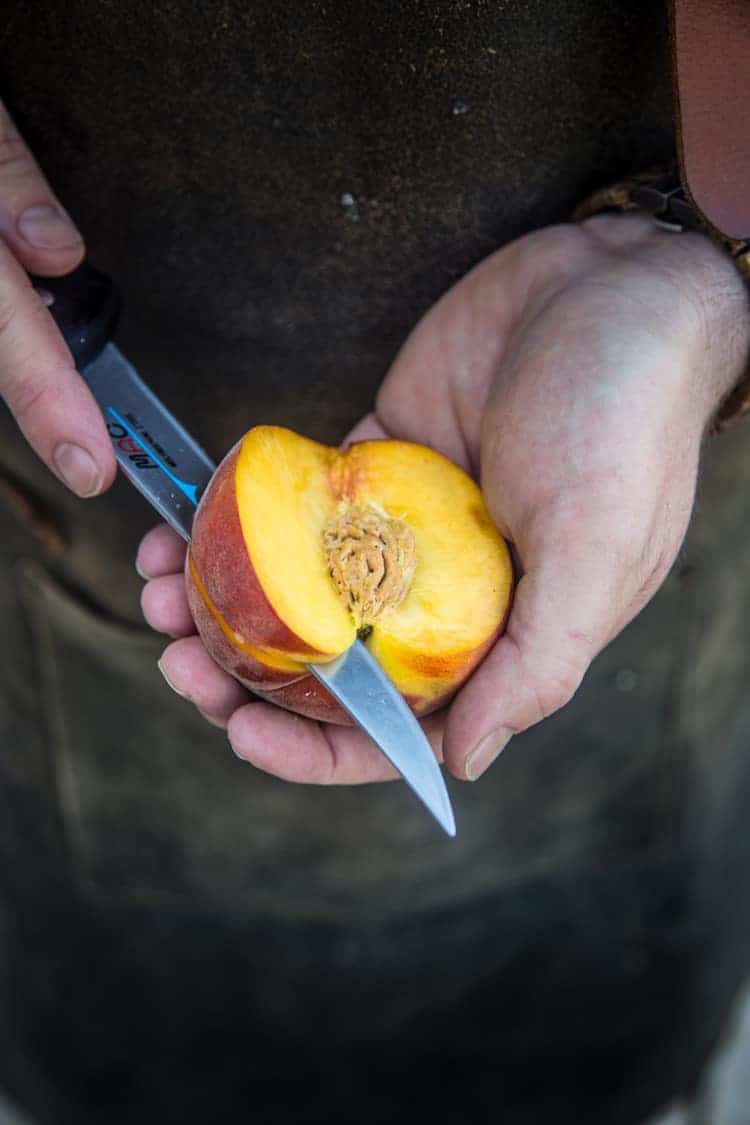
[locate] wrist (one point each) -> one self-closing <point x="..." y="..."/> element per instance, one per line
<point x="712" y="273"/>
<point x="712" y="285"/>
<point x="690" y="284"/>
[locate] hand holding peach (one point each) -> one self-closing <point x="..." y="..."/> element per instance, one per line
<point x="575" y="372"/>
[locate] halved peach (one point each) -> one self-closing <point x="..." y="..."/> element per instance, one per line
<point x="297" y="548"/>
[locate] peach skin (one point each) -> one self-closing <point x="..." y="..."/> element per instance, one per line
<point x="297" y="548"/>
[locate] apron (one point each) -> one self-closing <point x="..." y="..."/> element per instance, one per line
<point x="280" y="192"/>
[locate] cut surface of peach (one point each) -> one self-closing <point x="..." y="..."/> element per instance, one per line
<point x="388" y="538"/>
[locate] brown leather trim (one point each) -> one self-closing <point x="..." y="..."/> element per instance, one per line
<point x="619" y="196"/>
<point x="711" y="48"/>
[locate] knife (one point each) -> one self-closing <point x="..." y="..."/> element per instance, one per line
<point x="171" y="470"/>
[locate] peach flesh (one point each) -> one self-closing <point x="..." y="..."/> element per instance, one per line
<point x="268" y="596"/>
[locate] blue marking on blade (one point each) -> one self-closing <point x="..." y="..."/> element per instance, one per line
<point x="189" y="490"/>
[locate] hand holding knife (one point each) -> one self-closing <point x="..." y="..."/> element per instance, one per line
<point x="170" y="469"/>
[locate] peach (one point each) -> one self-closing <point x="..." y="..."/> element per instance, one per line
<point x="297" y="548"/>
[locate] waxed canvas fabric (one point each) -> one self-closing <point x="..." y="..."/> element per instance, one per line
<point x="280" y="192"/>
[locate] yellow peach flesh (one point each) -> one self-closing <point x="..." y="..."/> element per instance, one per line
<point x="288" y="491"/>
<point x="284" y="501"/>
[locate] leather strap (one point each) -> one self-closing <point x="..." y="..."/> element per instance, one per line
<point x="712" y="47"/>
<point x="711" y="44"/>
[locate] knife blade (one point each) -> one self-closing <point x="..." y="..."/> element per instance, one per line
<point x="171" y="470"/>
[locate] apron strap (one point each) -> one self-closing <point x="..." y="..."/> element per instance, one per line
<point x="711" y="42"/>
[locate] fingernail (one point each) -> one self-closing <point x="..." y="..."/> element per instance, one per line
<point x="485" y="752"/>
<point x="214" y="722"/>
<point x="138" y="570"/>
<point x="48" y="228"/>
<point x="78" y="469"/>
<point x="166" y="677"/>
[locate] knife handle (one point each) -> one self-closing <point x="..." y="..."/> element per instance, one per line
<point x="85" y="306"/>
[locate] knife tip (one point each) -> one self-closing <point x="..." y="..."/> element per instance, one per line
<point x="446" y="820"/>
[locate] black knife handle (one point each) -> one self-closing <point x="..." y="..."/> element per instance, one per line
<point x="85" y="306"/>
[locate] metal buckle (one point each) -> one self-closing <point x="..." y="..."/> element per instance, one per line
<point x="669" y="207"/>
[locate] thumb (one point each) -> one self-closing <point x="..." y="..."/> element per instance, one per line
<point x="563" y="614"/>
<point x="38" y="380"/>
<point x="33" y="223"/>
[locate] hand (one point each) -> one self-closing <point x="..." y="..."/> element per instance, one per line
<point x="575" y="371"/>
<point x="38" y="380"/>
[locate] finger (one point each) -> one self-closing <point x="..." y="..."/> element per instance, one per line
<point x="214" y="721"/>
<point x="190" y="671"/>
<point x="33" y="222"/>
<point x="38" y="381"/>
<point x="47" y="397"/>
<point x="297" y="749"/>
<point x="165" y="606"/>
<point x="562" y="615"/>
<point x="354" y="760"/>
<point x="367" y="429"/>
<point x="161" y="551"/>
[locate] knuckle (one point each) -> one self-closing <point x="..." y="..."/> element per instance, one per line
<point x="554" y="690"/>
<point x="7" y="313"/>
<point x="563" y="238"/>
<point x="32" y="377"/>
<point x="13" y="153"/>
<point x="328" y="764"/>
<point x="653" y="567"/>
<point x="28" y="397"/>
<point x="548" y="686"/>
<point x="559" y="691"/>
<point x="563" y="248"/>
<point x="36" y="397"/>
